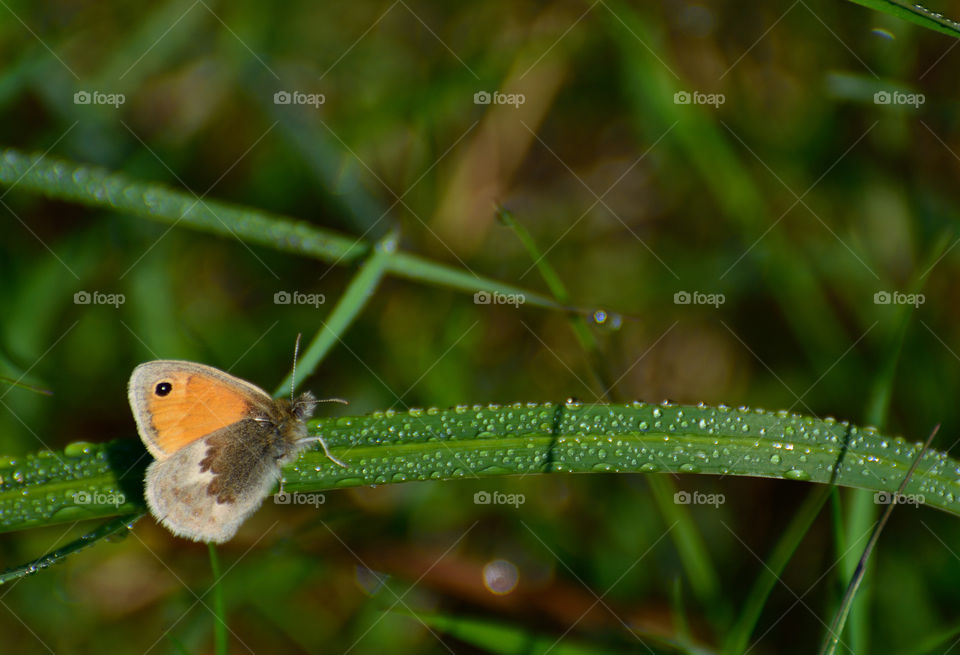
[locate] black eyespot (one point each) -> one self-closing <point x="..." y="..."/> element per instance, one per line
<point x="163" y="388"/>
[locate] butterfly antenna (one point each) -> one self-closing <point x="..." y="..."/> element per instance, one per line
<point x="293" y="374"/>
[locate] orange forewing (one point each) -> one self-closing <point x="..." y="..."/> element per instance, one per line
<point x="197" y="405"/>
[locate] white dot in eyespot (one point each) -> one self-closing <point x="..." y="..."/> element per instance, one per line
<point x="500" y="577"/>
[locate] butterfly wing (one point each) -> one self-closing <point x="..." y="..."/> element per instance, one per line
<point x="205" y="490"/>
<point x="176" y="403"/>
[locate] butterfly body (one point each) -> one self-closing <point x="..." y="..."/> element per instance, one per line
<point x="219" y="444"/>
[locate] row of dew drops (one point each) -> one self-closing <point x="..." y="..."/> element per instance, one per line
<point x="605" y="438"/>
<point x="118" y="191"/>
<point x="588" y="437"/>
<point x="81" y="460"/>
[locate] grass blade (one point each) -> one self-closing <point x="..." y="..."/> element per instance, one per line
<point x="916" y="14"/>
<point x="739" y="635"/>
<point x="219" y="613"/>
<point x="348" y="307"/>
<point x="113" y="527"/>
<point x="493" y="440"/>
<point x="832" y="639"/>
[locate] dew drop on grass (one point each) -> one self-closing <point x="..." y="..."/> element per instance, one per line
<point x="500" y="577"/>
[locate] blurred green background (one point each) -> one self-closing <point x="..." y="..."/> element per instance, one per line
<point x="798" y="198"/>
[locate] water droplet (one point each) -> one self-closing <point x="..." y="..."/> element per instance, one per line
<point x="500" y="577"/>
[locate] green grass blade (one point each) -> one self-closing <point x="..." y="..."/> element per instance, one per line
<point x="914" y="13"/>
<point x="413" y="267"/>
<point x="936" y="643"/>
<point x="739" y="635"/>
<point x="219" y="612"/>
<point x="586" y="338"/>
<point x="484" y="441"/>
<point x="117" y="526"/>
<point x="98" y="187"/>
<point x="688" y="540"/>
<point x="862" y="511"/>
<point x="506" y="639"/>
<point x="832" y="638"/>
<point x="348" y="307"/>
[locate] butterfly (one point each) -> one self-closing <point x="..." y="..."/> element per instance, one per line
<point x="219" y="443"/>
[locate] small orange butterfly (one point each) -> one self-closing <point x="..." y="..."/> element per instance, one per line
<point x="219" y="444"/>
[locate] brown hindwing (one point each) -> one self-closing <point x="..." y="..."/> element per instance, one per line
<point x="239" y="456"/>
